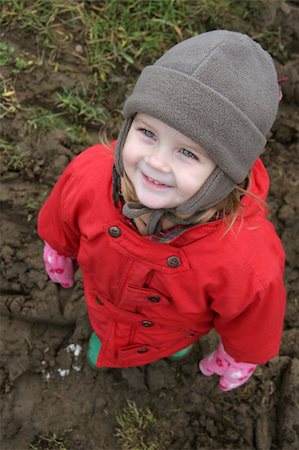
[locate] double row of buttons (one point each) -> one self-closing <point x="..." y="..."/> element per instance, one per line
<point x="172" y="261"/>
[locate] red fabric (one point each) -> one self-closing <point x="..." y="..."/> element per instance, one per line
<point x="231" y="282"/>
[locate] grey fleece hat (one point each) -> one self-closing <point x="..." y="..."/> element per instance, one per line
<point x="220" y="89"/>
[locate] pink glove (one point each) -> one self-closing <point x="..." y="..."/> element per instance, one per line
<point x="60" y="268"/>
<point x="232" y="374"/>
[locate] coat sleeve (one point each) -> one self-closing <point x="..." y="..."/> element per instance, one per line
<point x="253" y="334"/>
<point x="57" y="220"/>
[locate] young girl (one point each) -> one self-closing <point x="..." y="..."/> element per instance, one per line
<point x="171" y="233"/>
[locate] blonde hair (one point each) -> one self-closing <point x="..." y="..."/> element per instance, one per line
<point x="229" y="209"/>
<point x="105" y="139"/>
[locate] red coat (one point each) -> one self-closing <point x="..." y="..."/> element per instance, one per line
<point x="149" y="299"/>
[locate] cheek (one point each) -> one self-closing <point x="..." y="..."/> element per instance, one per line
<point x="128" y="156"/>
<point x="192" y="186"/>
<point x="131" y="149"/>
<point x="193" y="181"/>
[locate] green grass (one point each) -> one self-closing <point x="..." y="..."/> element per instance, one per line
<point x="40" y="119"/>
<point x="125" y="34"/>
<point x="272" y="39"/>
<point x="51" y="441"/>
<point x="5" y="54"/>
<point x="137" y="428"/>
<point x="104" y="45"/>
<point x="9" y="102"/>
<point x="33" y="204"/>
<point x="13" y="155"/>
<point x="84" y="109"/>
<point x="7" y="57"/>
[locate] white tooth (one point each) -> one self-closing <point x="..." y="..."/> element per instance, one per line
<point x="154" y="181"/>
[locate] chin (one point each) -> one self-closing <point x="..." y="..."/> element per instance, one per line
<point x="152" y="204"/>
<point x="156" y="205"/>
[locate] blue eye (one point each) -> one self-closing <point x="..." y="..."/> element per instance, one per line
<point x="187" y="153"/>
<point x="148" y="133"/>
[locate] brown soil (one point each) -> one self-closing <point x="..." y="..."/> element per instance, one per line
<point x="48" y="390"/>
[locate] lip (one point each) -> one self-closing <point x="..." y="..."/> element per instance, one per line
<point x="153" y="183"/>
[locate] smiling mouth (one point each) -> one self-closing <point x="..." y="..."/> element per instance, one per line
<point x="155" y="182"/>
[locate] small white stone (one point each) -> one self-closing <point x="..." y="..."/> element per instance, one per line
<point x="63" y="372"/>
<point x="75" y="349"/>
<point x="70" y="348"/>
<point x="78" y="350"/>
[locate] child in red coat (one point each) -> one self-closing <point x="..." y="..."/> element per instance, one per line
<point x="171" y="232"/>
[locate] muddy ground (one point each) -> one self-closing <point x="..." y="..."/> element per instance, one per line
<point x="51" y="399"/>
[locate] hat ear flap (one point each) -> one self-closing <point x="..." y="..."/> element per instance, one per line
<point x="120" y="144"/>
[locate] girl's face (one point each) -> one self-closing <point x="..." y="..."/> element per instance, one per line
<point x="165" y="167"/>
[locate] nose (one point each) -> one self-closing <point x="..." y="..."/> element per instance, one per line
<point x="159" y="159"/>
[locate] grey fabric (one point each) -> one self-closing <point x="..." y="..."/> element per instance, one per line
<point x="220" y="89"/>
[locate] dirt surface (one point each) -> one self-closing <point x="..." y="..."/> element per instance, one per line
<point x="51" y="397"/>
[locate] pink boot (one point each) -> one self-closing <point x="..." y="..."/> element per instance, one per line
<point x="232" y="373"/>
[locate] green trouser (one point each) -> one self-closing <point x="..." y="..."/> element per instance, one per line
<point x="94" y="348"/>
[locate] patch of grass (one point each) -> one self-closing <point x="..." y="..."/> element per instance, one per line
<point x="111" y="41"/>
<point x="86" y="110"/>
<point x="33" y="204"/>
<point x="13" y="155"/>
<point x="5" y="54"/>
<point x="9" y="103"/>
<point x="225" y="13"/>
<point x="21" y="64"/>
<point x="136" y="428"/>
<point x="40" y="16"/>
<point x="115" y="33"/>
<point x="78" y="133"/>
<point x="41" y="119"/>
<point x="272" y="41"/>
<point x="51" y="441"/>
<point x="18" y="63"/>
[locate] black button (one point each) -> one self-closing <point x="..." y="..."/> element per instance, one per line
<point x="114" y="232"/>
<point x="191" y="335"/>
<point x="99" y="301"/>
<point x="173" y="261"/>
<point x="147" y="323"/>
<point x="142" y="350"/>
<point x="153" y="298"/>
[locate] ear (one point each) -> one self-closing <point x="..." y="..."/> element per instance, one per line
<point x="280" y="81"/>
<point x="280" y="96"/>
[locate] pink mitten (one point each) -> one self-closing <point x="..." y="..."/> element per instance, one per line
<point x="59" y="267"/>
<point x="232" y="373"/>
